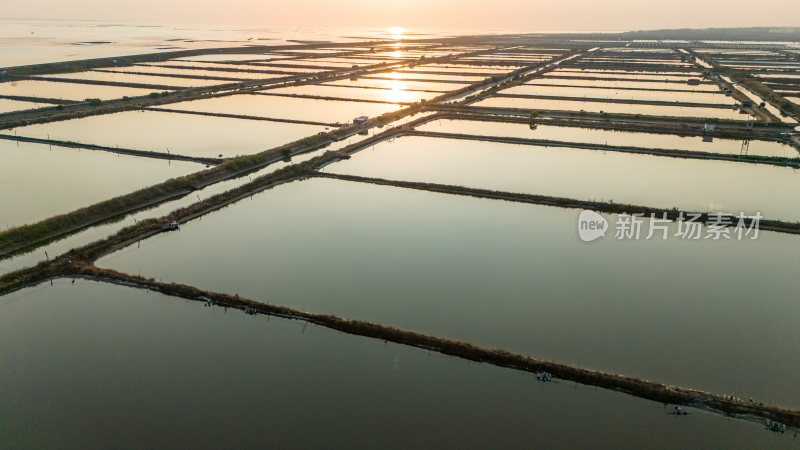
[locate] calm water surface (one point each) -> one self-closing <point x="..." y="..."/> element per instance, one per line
<point x="193" y="72"/>
<point x="697" y="185"/>
<point x="287" y="108"/>
<point x="143" y="79"/>
<point x="616" y="108"/>
<point x="184" y="134"/>
<point x="719" y="316"/>
<point x="37" y="182"/>
<point x="663" y="96"/>
<point x="382" y="95"/>
<point x="93" y="365"/>
<point x="95" y="233"/>
<point x="67" y="91"/>
<point x="597" y="136"/>
<point x="14" y="105"/>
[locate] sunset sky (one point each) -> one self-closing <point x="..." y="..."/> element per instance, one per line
<point x="517" y="15"/>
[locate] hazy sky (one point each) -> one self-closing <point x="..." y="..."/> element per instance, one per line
<point x="450" y="14"/>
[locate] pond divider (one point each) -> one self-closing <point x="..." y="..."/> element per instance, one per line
<point x="672" y="214"/>
<point x="620" y="100"/>
<point x="117" y="150"/>
<point x="152" y="87"/>
<point x="645" y="389"/>
<point x="671" y="153"/>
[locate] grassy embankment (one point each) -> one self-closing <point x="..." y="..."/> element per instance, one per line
<point x="24" y="236"/>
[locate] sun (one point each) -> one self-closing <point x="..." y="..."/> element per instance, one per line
<point x="396" y="32"/>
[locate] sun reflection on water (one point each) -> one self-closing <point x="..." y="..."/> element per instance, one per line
<point x="396" y="91"/>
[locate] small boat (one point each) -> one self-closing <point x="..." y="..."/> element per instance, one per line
<point x="776" y="426"/>
<point x="172" y="226"/>
<point x="678" y="411"/>
<point x="544" y="376"/>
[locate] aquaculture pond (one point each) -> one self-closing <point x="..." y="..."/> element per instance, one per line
<point x="179" y="133"/>
<point x="394" y="85"/>
<point x="37" y="182"/>
<point x="20" y="260"/>
<point x="239" y="74"/>
<point x="621" y="138"/>
<point x="373" y="94"/>
<point x="92" y="365"/>
<point x="503" y="275"/>
<point x="714" y="97"/>
<point x="728" y="113"/>
<point x="488" y="71"/>
<point x="140" y="79"/>
<point x="633" y="75"/>
<point x="307" y="62"/>
<point x="327" y="111"/>
<point x="777" y="75"/>
<point x="226" y="57"/>
<point x="213" y="66"/>
<point x="411" y="54"/>
<point x="198" y="64"/>
<point x="408" y="75"/>
<point x="628" y="83"/>
<point x="696" y="185"/>
<point x="505" y="58"/>
<point x="402" y="84"/>
<point x="626" y="74"/>
<point x="7" y="106"/>
<point x="67" y="91"/>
